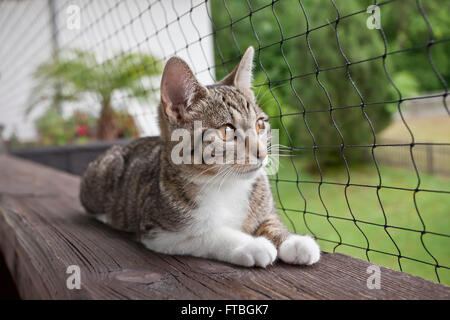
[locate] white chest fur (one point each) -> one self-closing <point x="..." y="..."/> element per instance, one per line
<point x="219" y="205"/>
<point x="226" y="204"/>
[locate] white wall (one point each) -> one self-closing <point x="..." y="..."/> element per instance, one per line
<point x="107" y="27"/>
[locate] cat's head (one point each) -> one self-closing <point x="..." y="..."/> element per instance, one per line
<point x="223" y="119"/>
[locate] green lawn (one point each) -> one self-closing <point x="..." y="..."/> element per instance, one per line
<point x="399" y="208"/>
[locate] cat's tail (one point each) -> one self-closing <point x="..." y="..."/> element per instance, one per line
<point x="100" y="179"/>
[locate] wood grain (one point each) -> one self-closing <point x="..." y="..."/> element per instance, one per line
<point x="43" y="230"/>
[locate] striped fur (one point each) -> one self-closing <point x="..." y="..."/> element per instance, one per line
<point x="195" y="209"/>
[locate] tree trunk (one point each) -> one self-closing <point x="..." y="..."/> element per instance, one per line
<point x="106" y="126"/>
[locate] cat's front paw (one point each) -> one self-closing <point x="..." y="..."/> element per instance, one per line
<point x="298" y="249"/>
<point x="259" y="252"/>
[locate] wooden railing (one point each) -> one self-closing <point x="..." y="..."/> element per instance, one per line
<point x="44" y="230"/>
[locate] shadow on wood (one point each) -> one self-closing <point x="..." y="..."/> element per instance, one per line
<point x="43" y="230"/>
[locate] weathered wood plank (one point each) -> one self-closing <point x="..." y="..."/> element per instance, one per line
<point x="43" y="230"/>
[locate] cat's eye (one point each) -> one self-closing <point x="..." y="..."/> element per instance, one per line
<point x="226" y="132"/>
<point x="260" y="126"/>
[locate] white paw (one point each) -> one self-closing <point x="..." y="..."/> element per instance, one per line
<point x="259" y="252"/>
<point x="298" y="249"/>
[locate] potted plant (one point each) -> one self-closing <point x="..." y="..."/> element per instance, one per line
<point x="68" y="78"/>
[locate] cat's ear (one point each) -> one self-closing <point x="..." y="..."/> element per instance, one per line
<point x="180" y="89"/>
<point x="241" y="77"/>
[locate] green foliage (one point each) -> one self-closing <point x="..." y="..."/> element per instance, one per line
<point x="285" y="73"/>
<point x="77" y="72"/>
<point x="406" y="28"/>
<point x="53" y="128"/>
<point x="71" y="74"/>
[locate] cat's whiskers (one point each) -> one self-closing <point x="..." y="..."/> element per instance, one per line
<point x="282" y="155"/>
<point x="279" y="150"/>
<point x="214" y="179"/>
<point x="218" y="174"/>
<point x="279" y="147"/>
<point x="227" y="173"/>
<point x="210" y="181"/>
<point x="274" y="160"/>
<point x="214" y="166"/>
<point x="201" y="173"/>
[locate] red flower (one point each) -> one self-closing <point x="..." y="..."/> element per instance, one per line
<point x="82" y="130"/>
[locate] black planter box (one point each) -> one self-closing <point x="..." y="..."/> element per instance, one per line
<point x="73" y="159"/>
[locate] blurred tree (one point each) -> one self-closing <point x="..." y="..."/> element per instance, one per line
<point x="412" y="69"/>
<point x="76" y="73"/>
<point x="302" y="78"/>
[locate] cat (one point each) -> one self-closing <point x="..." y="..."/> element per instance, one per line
<point x="196" y="209"/>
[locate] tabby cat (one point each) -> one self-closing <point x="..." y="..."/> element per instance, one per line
<point x="220" y="211"/>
